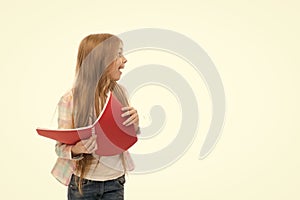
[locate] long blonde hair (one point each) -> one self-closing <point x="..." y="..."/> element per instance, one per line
<point x="95" y="54"/>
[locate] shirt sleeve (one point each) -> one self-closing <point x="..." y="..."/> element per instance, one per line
<point x="65" y="107"/>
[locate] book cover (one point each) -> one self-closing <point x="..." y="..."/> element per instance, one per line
<point x="112" y="136"/>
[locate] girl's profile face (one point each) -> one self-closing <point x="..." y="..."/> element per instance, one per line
<point x="117" y="65"/>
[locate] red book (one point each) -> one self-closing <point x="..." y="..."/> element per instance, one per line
<point x="112" y="136"/>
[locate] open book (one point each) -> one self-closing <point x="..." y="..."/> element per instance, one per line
<point x="112" y="136"/>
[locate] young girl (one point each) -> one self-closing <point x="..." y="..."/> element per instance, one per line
<point x="88" y="176"/>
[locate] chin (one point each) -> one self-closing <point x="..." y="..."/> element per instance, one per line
<point x="116" y="78"/>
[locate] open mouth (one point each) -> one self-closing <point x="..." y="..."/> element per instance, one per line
<point x="121" y="67"/>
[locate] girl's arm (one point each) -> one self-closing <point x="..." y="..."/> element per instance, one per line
<point x="76" y="151"/>
<point x="65" y="107"/>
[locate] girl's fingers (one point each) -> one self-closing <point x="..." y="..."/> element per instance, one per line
<point x="86" y="143"/>
<point x="126" y="108"/>
<point x="133" y="118"/>
<point x="128" y="120"/>
<point x="133" y="115"/>
<point x="130" y="111"/>
<point x="132" y="122"/>
<point x="126" y="114"/>
<point x="91" y="148"/>
<point x="95" y="148"/>
<point x="89" y="142"/>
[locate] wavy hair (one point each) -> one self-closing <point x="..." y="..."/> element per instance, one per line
<point x="92" y="82"/>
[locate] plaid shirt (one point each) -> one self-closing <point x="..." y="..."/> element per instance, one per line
<point x="65" y="164"/>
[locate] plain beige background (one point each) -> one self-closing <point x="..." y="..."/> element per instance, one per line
<point x="254" y="45"/>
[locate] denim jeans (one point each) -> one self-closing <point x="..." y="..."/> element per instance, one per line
<point x="97" y="190"/>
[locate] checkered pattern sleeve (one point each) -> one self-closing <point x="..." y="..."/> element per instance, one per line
<point x="65" y="107"/>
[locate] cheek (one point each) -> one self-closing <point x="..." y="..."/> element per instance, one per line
<point x="116" y="67"/>
<point x="118" y="62"/>
<point x="113" y="67"/>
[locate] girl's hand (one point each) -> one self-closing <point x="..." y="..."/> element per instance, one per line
<point x="133" y="119"/>
<point x="87" y="146"/>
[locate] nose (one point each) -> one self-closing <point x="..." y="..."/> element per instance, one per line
<point x="124" y="60"/>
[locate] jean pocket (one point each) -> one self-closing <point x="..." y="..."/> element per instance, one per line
<point x="121" y="180"/>
<point x="75" y="181"/>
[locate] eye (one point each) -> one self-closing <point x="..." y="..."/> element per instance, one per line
<point x="120" y="54"/>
